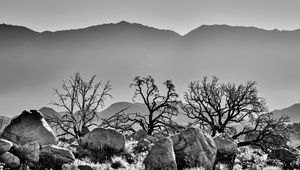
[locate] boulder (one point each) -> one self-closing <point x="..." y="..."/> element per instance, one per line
<point x="29" y="127"/>
<point x="156" y="136"/>
<point x="225" y="144"/>
<point x="103" y="139"/>
<point x="28" y="153"/>
<point x="79" y="151"/>
<point x="151" y="138"/>
<point x="52" y="156"/>
<point x="226" y="149"/>
<point x="65" y="140"/>
<point x="283" y="155"/>
<point x="160" y="135"/>
<point x="5" y="146"/>
<point x="139" y="134"/>
<point x="193" y="148"/>
<point x="10" y="160"/>
<point x="161" y="156"/>
<point x="143" y="145"/>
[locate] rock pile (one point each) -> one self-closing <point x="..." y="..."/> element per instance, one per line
<point x="29" y="127"/>
<point x="190" y="148"/>
<point x="28" y="139"/>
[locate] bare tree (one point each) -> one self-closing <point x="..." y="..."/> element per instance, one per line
<point x="160" y="108"/>
<point x="219" y="105"/>
<point x="80" y="101"/>
<point x="266" y="132"/>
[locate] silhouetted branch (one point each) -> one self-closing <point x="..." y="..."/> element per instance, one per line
<point x="80" y="99"/>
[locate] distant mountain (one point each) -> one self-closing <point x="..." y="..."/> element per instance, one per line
<point x="129" y="108"/>
<point x="49" y="112"/>
<point x="12" y="36"/>
<point x="292" y="111"/>
<point x="119" y="51"/>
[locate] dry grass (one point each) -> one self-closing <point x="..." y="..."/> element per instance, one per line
<point x="120" y="163"/>
<point x="272" y="168"/>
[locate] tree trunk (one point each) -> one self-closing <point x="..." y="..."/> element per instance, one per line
<point x="221" y="130"/>
<point x="214" y="132"/>
<point x="150" y="130"/>
<point x="245" y="143"/>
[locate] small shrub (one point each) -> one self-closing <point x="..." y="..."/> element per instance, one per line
<point x="271" y="168"/>
<point x="129" y="146"/>
<point x="102" y="155"/>
<point x="237" y="167"/>
<point x="197" y="168"/>
<point x="77" y="162"/>
<point x="274" y="162"/>
<point x="221" y="166"/>
<point x="130" y="158"/>
<point x="250" y="158"/>
<point x="118" y="162"/>
<point x="296" y="164"/>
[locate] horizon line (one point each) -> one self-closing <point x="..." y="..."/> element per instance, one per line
<point x="162" y="29"/>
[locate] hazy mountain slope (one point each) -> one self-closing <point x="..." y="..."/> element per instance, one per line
<point x="35" y="63"/>
<point x="12" y="36"/>
<point x="237" y="52"/>
<point x="292" y="111"/>
<point x="116" y="52"/>
<point x="117" y="107"/>
<point x="49" y="112"/>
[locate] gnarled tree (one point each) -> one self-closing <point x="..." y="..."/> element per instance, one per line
<point x="219" y="105"/>
<point x="160" y="108"/>
<point x="223" y="106"/>
<point x="79" y="101"/>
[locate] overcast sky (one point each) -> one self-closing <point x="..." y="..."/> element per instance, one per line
<point x="179" y="15"/>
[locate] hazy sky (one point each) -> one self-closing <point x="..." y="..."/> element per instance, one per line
<point x="181" y="16"/>
<point x="178" y="15"/>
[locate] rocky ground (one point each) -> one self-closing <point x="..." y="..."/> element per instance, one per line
<point x="29" y="143"/>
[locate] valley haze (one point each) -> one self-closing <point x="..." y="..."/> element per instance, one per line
<point x="33" y="63"/>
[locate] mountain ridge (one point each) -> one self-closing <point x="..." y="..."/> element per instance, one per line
<point x="124" y="22"/>
<point x="293" y="112"/>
